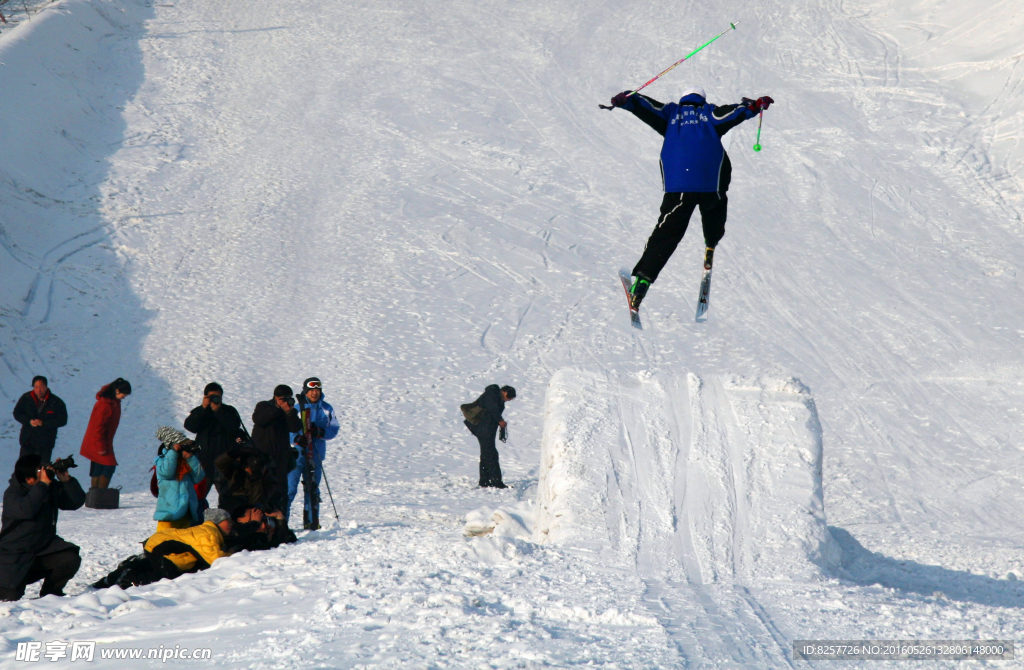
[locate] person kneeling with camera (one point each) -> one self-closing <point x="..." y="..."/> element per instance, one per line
<point x="30" y="548"/>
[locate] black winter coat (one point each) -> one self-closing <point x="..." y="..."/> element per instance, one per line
<point x="216" y="433"/>
<point x="30" y="525"/>
<point x="257" y="487"/>
<point x="54" y="415"/>
<point x="271" y="434"/>
<point x="493" y="405"/>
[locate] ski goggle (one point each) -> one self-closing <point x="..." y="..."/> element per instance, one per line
<point x="313" y="385"/>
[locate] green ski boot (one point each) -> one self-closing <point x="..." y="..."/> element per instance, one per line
<point x="637" y="291"/>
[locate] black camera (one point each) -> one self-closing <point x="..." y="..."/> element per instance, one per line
<point x="214" y="399"/>
<point x="64" y="464"/>
<point x="188" y="445"/>
<point x="60" y="465"/>
<point x="290" y="401"/>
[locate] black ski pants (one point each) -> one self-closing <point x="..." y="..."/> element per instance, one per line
<point x="676" y="210"/>
<point x="55" y="569"/>
<point x="490" y="469"/>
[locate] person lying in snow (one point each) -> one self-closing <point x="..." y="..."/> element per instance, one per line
<point x="172" y="552"/>
<point x="256" y="530"/>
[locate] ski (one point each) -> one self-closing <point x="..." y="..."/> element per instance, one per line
<point x="634" y="315"/>
<point x="704" y="297"/>
<point x="310" y="517"/>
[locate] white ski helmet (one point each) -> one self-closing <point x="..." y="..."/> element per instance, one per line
<point x="694" y="89"/>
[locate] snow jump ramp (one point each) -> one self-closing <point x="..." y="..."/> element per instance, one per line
<point x="706" y="486"/>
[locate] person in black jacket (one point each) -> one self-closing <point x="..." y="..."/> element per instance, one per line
<point x="492" y="403"/>
<point x="248" y="480"/>
<point x="40" y="414"/>
<point x="218" y="428"/>
<point x="30" y="548"/>
<point x="273" y="422"/>
<point x="256" y="529"/>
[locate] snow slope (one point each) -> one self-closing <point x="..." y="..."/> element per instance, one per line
<point x="416" y="199"/>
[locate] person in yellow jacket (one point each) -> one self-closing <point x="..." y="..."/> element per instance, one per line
<point x="195" y="548"/>
<point x="171" y="552"/>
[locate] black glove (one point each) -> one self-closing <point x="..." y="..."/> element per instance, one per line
<point x="302" y="441"/>
<point x="316" y="431"/>
<point x="620" y="99"/>
<point x="760" y="104"/>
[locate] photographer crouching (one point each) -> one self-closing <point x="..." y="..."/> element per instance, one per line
<point x="30" y="548"/>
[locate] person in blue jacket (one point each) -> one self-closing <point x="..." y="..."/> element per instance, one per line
<point x="695" y="171"/>
<point x="177" y="472"/>
<point x="323" y="426"/>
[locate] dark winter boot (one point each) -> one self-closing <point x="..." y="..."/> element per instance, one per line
<point x="638" y="290"/>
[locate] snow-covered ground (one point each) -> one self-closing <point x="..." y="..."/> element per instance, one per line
<point x="415" y="199"/>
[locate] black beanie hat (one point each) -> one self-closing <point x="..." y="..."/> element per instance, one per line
<point x="283" y="391"/>
<point x="305" y="384"/>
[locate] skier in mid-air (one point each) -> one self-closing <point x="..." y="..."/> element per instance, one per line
<point x="695" y="172"/>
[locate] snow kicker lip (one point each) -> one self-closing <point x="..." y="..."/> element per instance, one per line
<point x="707" y="487"/>
<point x="717" y="477"/>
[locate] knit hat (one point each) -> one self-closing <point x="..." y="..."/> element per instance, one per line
<point x="306" y="387"/>
<point x="694" y="89"/>
<point x="216" y="515"/>
<point x="168" y="435"/>
<point x="283" y="391"/>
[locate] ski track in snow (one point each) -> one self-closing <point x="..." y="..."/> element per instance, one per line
<point x="415" y="200"/>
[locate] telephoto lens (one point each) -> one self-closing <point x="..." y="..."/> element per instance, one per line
<point x="62" y="464"/>
<point x="215" y="400"/>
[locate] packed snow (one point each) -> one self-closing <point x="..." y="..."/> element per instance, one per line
<point x="415" y="199"/>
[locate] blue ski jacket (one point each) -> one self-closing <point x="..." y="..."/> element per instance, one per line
<point x="177" y="496"/>
<point x="693" y="159"/>
<point x="321" y="414"/>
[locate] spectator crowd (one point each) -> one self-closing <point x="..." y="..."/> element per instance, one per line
<point x="256" y="478"/>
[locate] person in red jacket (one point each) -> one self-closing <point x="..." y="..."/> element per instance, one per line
<point x="98" y="443"/>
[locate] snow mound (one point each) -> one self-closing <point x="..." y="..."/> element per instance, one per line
<point x="501" y="522"/>
<point x="715" y="478"/>
<point x="500" y="535"/>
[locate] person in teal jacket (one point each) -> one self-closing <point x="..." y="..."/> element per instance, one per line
<point x="177" y="472"/>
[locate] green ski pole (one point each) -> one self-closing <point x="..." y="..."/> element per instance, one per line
<point x="757" y="144"/>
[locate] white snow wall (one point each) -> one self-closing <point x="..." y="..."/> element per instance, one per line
<point x="707" y="479"/>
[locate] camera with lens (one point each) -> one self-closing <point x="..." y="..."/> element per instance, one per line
<point x="60" y="465"/>
<point x="188" y="445"/>
<point x="290" y="401"/>
<point x="214" y="399"/>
